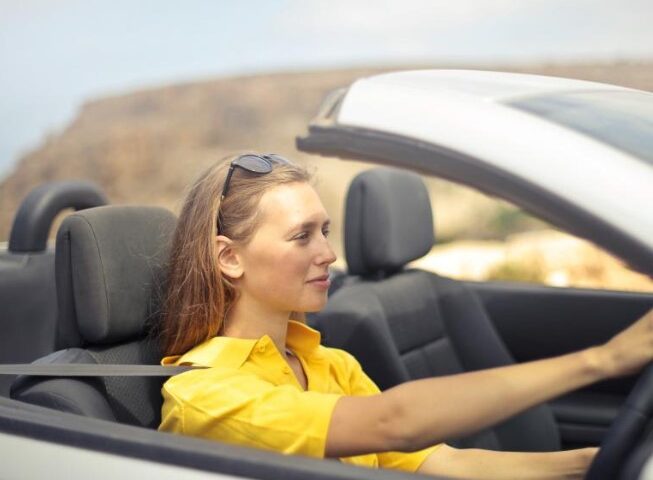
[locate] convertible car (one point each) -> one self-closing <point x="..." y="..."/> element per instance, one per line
<point x="576" y="154"/>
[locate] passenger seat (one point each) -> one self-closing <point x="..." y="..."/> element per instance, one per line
<point x="404" y="324"/>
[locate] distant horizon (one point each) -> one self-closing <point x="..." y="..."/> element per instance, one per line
<point x="6" y="168"/>
<point x="183" y="80"/>
<point x="57" y="56"/>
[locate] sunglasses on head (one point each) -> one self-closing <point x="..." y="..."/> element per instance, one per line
<point x="253" y="163"/>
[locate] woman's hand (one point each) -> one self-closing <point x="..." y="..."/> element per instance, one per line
<point x="630" y="350"/>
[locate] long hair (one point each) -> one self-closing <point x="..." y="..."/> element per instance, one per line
<point x="198" y="297"/>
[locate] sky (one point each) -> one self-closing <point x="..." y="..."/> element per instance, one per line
<point x="55" y="55"/>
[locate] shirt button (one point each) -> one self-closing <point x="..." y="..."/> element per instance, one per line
<point x="286" y="370"/>
<point x="261" y="348"/>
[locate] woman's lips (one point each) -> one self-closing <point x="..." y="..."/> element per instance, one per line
<point x="322" y="282"/>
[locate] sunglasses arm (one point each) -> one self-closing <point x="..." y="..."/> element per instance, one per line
<point x="225" y="188"/>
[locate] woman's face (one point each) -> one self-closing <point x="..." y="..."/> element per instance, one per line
<point x="285" y="265"/>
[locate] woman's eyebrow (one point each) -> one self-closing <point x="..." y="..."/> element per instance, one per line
<point x="309" y="225"/>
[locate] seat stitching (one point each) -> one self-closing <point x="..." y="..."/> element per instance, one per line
<point x="104" y="282"/>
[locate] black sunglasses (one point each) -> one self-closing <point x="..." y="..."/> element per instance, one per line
<point x="260" y="164"/>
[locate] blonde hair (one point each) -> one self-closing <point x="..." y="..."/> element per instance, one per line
<point x="198" y="296"/>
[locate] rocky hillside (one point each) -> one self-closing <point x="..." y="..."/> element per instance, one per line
<point x="146" y="146"/>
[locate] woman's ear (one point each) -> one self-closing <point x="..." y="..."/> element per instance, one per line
<point x="228" y="259"/>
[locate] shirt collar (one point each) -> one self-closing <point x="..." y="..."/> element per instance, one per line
<point x="233" y="352"/>
<point x="301" y="338"/>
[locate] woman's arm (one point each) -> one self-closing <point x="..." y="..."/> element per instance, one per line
<point x="421" y="413"/>
<point x="490" y="465"/>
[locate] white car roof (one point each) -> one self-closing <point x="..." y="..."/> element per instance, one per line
<point x="484" y="85"/>
<point x="467" y="111"/>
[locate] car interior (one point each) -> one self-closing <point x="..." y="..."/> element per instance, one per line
<point x="401" y="323"/>
<point x="27" y="284"/>
<point x="405" y="324"/>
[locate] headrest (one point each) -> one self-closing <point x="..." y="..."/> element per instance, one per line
<point x="388" y="221"/>
<point x="109" y="268"/>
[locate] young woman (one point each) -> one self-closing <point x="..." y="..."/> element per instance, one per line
<point x="249" y="257"/>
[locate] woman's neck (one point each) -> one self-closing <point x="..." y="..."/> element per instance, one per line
<point x="249" y="319"/>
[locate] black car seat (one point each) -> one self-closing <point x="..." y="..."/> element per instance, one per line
<point x="404" y="324"/>
<point x="109" y="267"/>
<point x="27" y="287"/>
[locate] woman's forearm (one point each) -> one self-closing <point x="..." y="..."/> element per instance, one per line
<point x="490" y="465"/>
<point x="421" y="413"/>
<point x="432" y="410"/>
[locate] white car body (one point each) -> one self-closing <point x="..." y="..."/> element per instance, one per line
<point x="471" y="113"/>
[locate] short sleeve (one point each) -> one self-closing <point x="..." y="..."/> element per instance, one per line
<point x="242" y="409"/>
<point x="361" y="384"/>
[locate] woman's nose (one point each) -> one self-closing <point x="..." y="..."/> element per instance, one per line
<point x="327" y="255"/>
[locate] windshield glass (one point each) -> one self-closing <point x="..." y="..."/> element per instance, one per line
<point x="622" y="119"/>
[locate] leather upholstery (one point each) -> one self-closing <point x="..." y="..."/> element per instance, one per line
<point x="388" y="222"/>
<point x="109" y="263"/>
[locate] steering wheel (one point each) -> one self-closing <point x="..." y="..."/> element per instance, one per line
<point x="626" y="430"/>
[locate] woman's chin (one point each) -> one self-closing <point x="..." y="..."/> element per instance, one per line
<point x="315" y="306"/>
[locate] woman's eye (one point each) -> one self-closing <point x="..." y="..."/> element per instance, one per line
<point x="305" y="236"/>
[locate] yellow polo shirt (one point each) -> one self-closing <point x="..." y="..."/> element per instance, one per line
<point x="250" y="396"/>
